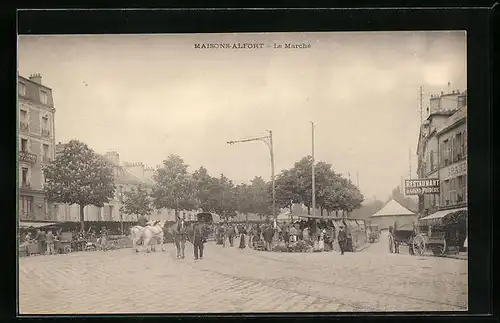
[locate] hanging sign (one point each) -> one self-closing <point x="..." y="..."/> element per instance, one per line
<point x="421" y="186"/>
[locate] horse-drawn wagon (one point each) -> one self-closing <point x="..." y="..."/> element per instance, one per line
<point x="374" y="233"/>
<point x="444" y="232"/>
<point x="405" y="232"/>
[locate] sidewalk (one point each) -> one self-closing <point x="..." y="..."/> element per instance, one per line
<point x="460" y="255"/>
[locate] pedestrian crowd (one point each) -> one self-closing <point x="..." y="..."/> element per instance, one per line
<point x="321" y="235"/>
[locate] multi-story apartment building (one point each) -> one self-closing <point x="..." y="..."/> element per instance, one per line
<point x="36" y="144"/>
<point x="126" y="177"/>
<point x="442" y="151"/>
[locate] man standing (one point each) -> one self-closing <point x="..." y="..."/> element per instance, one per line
<point x="50" y="242"/>
<point x="40" y="237"/>
<point x="342" y="240"/>
<point x="198" y="240"/>
<point x="231" y="233"/>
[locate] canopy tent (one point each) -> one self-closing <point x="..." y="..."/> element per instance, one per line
<point x="391" y="212"/>
<point x="393" y="208"/>
<point x="286" y="216"/>
<point x="208" y="217"/>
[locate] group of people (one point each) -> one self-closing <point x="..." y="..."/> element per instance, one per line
<point x="266" y="235"/>
<point x="44" y="239"/>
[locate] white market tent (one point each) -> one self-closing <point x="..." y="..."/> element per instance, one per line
<point x="391" y="212"/>
<point x="286" y="216"/>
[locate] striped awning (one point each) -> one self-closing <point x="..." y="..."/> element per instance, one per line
<point x="29" y="224"/>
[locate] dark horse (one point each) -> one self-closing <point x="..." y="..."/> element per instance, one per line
<point x="179" y="233"/>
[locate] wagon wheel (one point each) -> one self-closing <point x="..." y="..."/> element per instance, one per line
<point x="439" y="249"/>
<point x="419" y="245"/>
<point x="391" y="244"/>
<point x="67" y="249"/>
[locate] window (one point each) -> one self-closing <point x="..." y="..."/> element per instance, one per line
<point x="432" y="160"/>
<point x="46" y="152"/>
<point x="24" y="176"/>
<point x="24" y="144"/>
<point x="22" y="88"/>
<point x="23" y="115"/>
<point x="43" y="97"/>
<point x="453" y="191"/>
<point x="464" y="151"/>
<point x="26" y="207"/>
<point x="445" y="187"/>
<point x="446" y="152"/>
<point x="459" y="146"/>
<point x="45" y="122"/>
<point x="460" y="189"/>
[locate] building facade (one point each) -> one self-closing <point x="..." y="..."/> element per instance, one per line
<point x="442" y="151"/>
<point x="127" y="176"/>
<point x="36" y="145"/>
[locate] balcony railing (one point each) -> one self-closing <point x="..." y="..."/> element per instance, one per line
<point x="26" y="185"/>
<point x="27" y="157"/>
<point x="46" y="159"/>
<point x="24" y="126"/>
<point x="45" y="132"/>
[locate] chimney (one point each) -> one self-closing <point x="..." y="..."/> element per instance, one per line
<point x="113" y="157"/>
<point x="37" y="78"/>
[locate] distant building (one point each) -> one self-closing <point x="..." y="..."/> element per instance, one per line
<point x="126" y="177"/>
<point x="442" y="151"/>
<point x="36" y="146"/>
<point x="391" y="212"/>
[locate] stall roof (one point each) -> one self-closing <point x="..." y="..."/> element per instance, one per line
<point x="28" y="224"/>
<point x="441" y="214"/>
<point x="393" y="208"/>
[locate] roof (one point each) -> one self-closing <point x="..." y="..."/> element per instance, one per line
<point x="460" y="115"/>
<point x="393" y="208"/>
<point x="123" y="176"/>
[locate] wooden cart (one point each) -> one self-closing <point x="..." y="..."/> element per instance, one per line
<point x="64" y="242"/>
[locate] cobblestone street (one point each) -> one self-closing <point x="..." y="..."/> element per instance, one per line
<point x="234" y="280"/>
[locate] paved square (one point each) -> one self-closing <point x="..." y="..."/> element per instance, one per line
<point x="234" y="280"/>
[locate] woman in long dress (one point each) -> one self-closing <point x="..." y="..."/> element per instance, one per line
<point x="243" y="233"/>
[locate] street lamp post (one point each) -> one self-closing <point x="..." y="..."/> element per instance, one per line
<point x="268" y="140"/>
<point x="120" y="196"/>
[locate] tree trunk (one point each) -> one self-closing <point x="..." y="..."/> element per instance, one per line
<point x="308" y="210"/>
<point x="321" y="210"/>
<point x="246" y="217"/>
<point x="82" y="218"/>
<point x="336" y="213"/>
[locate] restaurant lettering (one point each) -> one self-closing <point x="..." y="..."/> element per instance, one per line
<point x="457" y="170"/>
<point x="421" y="186"/>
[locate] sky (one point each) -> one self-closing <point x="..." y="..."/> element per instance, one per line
<point x="148" y="96"/>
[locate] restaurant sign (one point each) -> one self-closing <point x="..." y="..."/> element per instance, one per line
<point x="421" y="186"/>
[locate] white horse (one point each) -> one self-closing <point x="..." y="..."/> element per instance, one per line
<point x="153" y="230"/>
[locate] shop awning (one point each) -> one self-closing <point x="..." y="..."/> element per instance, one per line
<point x="442" y="214"/>
<point x="28" y="224"/>
<point x="439" y="215"/>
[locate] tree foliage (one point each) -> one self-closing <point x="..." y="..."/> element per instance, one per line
<point x="79" y="176"/>
<point x="137" y="201"/>
<point x="174" y="187"/>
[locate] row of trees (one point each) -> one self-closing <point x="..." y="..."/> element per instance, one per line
<point x="80" y="176"/>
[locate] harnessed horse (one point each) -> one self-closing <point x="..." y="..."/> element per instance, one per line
<point x="153" y="231"/>
<point x="179" y="233"/>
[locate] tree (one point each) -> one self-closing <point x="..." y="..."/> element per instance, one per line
<point x="245" y="200"/>
<point x="204" y="186"/>
<point x="174" y="187"/>
<point x="226" y="202"/>
<point x="137" y="201"/>
<point x="261" y="195"/>
<point x="79" y="176"/>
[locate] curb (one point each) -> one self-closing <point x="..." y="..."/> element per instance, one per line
<point x="459" y="257"/>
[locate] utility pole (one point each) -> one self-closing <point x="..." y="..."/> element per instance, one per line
<point x="409" y="162"/>
<point x="312" y="173"/>
<point x="268" y="140"/>
<point x="421" y="108"/>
